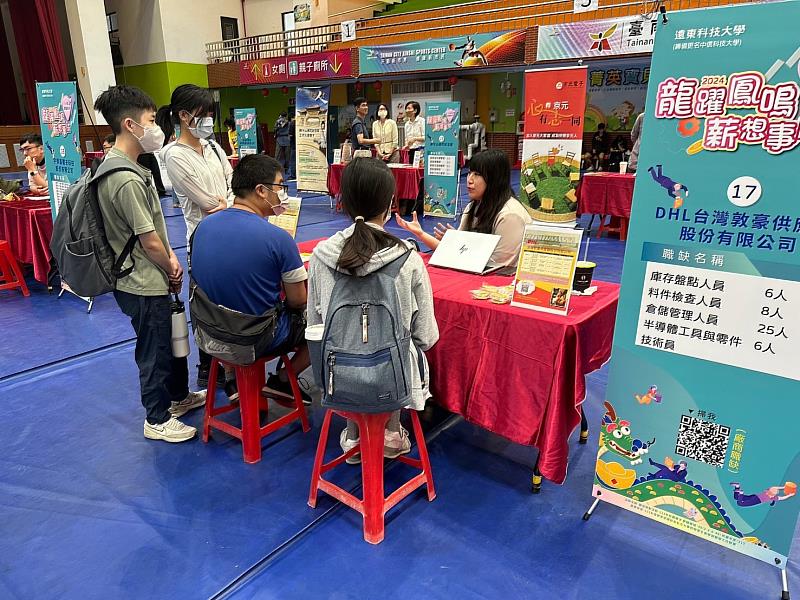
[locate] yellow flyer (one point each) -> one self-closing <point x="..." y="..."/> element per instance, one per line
<point x="288" y="220"/>
<point x="546" y="268"/>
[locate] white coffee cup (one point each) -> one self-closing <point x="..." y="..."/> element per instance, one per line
<point x="623" y="167"/>
<point x="314" y="333"/>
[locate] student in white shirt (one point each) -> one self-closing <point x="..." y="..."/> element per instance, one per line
<point x="197" y="166"/>
<point x="414" y="129"/>
<point x="493" y="208"/>
<point x="200" y="174"/>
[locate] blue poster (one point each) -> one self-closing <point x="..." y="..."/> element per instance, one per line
<point x="311" y="133"/>
<point x="58" y="114"/>
<point x="442" y="128"/>
<point x="702" y="400"/>
<point x="246" y="128"/>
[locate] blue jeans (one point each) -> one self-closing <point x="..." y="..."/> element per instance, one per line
<point x="162" y="377"/>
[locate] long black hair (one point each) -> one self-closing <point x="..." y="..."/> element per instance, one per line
<point x="189" y="97"/>
<point x="367" y="190"/>
<point x="493" y="166"/>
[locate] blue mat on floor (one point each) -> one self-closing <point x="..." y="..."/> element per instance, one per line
<point x="486" y="536"/>
<point x="105" y="513"/>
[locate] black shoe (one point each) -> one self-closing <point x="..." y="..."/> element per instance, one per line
<point x="281" y="392"/>
<point x="202" y="377"/>
<point x="232" y="391"/>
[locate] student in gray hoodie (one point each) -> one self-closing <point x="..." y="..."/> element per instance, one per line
<point x="368" y="189"/>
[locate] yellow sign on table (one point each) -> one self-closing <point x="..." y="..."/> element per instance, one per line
<point x="288" y="220"/>
<point x="546" y="268"/>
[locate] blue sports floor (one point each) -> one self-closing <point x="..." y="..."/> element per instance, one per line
<point x="90" y="509"/>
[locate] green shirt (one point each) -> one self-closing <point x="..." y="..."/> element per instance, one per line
<point x="130" y="205"/>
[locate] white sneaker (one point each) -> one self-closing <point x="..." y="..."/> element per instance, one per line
<point x="346" y="445"/>
<point x="171" y="431"/>
<point x="396" y="443"/>
<point x="192" y="401"/>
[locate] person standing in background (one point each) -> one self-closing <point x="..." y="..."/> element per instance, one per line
<point x="384" y="130"/>
<point x="636" y="140"/>
<point x="233" y="136"/>
<point x="414" y="129"/>
<point x="282" y="141"/>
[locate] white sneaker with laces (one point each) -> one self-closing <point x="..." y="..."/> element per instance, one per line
<point x="192" y="401"/>
<point x="348" y="444"/>
<point x="171" y="431"/>
<point x="396" y="443"/>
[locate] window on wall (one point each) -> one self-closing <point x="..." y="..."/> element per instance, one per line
<point x="230" y="28"/>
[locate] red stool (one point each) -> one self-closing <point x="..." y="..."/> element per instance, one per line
<point x="250" y="380"/>
<point x="10" y="274"/>
<point x="374" y="506"/>
<point x="618" y="225"/>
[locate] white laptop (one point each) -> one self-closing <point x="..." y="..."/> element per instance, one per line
<point x="465" y="251"/>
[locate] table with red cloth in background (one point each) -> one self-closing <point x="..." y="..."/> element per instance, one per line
<point x="516" y="372"/>
<point x="408" y="180"/>
<point x="27" y="225"/>
<point x="607" y="194"/>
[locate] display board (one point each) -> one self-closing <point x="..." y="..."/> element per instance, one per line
<point x="546" y="268"/>
<point x="246" y="128"/>
<point x="288" y="220"/>
<point x="442" y="128"/>
<point x="616" y="92"/>
<point x="595" y="39"/>
<point x="699" y="429"/>
<point x="311" y="126"/>
<point x="555" y="100"/>
<point x="58" y="114"/>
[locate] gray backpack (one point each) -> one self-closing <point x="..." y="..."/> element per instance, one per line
<point x="363" y="362"/>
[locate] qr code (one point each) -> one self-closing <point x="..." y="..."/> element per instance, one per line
<point x="703" y="441"/>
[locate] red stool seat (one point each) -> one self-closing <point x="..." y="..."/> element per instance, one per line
<point x="618" y="225"/>
<point x="250" y="380"/>
<point x="11" y="276"/>
<point x="374" y="505"/>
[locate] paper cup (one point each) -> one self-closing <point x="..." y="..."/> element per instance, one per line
<point x="623" y="167"/>
<point x="584" y="270"/>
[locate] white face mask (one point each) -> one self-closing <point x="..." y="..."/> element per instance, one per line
<point x="204" y="128"/>
<point x="152" y="139"/>
<point x="382" y="114"/>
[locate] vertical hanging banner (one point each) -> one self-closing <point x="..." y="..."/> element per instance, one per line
<point x="58" y="113"/>
<point x="555" y="100"/>
<point x="698" y="431"/>
<point x="442" y="127"/>
<point x="311" y="126"/>
<point x="246" y="130"/>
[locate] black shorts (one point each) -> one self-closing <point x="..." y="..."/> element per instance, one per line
<point x="297" y="333"/>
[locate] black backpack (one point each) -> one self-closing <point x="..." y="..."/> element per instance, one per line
<point x="85" y="259"/>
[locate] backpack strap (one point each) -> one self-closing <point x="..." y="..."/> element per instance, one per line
<point x="392" y="269"/>
<point x="126" y="252"/>
<point x="214" y="148"/>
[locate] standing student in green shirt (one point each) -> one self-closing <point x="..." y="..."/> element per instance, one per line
<point x="130" y="206"/>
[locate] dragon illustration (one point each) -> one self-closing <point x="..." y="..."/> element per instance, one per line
<point x="615" y="436"/>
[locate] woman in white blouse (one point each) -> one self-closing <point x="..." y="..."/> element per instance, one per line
<point x="493" y="208"/>
<point x="414" y="129"/>
<point x="384" y="129"/>
<point x="197" y="166"/>
<point x="200" y="174"/>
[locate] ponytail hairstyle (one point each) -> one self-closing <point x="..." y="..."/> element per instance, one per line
<point x="492" y="165"/>
<point x="368" y="187"/>
<point x="192" y="99"/>
<point x="164" y="120"/>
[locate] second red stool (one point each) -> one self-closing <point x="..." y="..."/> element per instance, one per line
<point x="250" y="380"/>
<point x="10" y="274"/>
<point x="374" y="505"/>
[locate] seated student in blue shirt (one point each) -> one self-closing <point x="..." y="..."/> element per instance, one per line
<point x="243" y="262"/>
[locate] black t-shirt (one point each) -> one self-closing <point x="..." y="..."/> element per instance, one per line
<point x="358" y="127"/>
